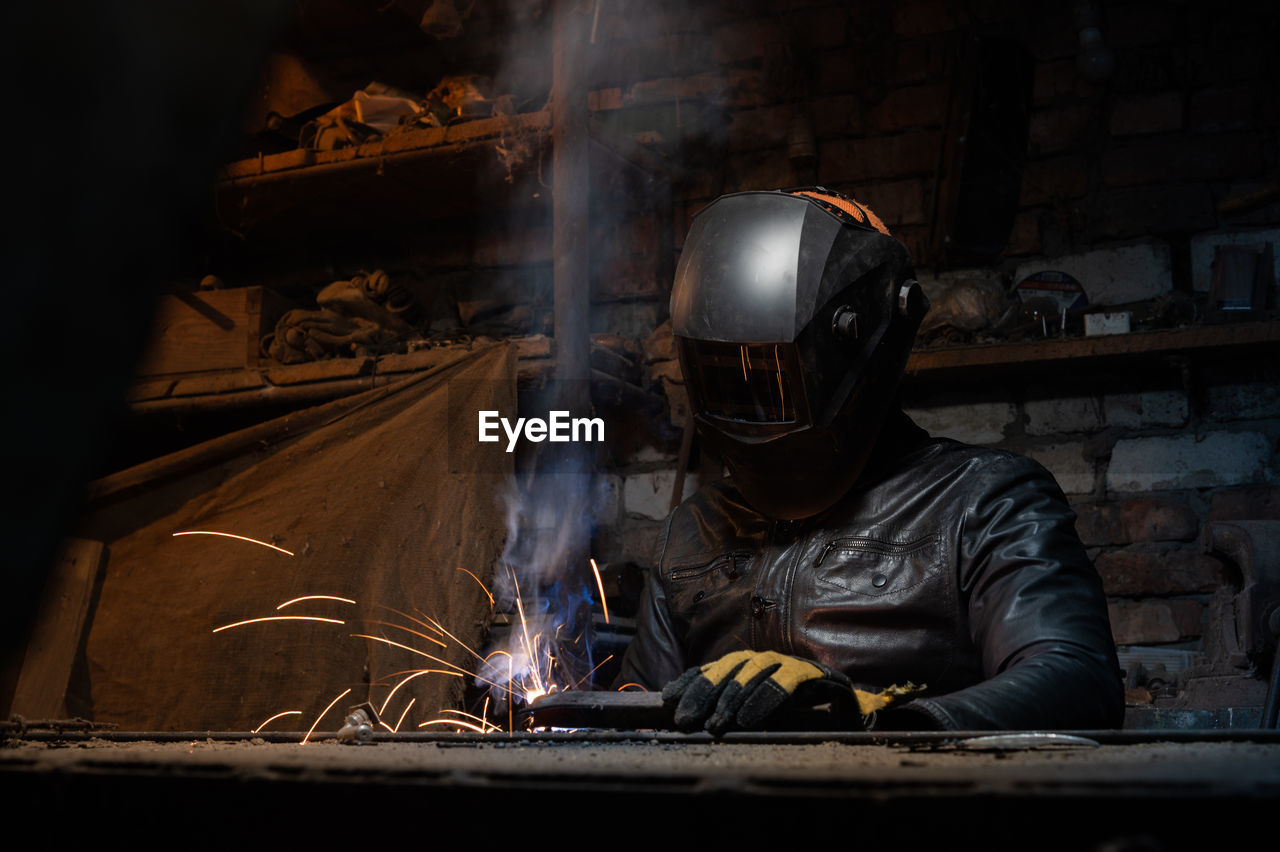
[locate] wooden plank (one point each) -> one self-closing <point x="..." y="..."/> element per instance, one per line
<point x="55" y="637"/>
<point x="197" y="332"/>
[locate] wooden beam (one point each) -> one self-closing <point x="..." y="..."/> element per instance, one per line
<point x="1158" y="342"/>
<point x="55" y="637"/>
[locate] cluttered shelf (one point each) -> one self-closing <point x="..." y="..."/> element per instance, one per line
<point x="949" y="361"/>
<point x="410" y="175"/>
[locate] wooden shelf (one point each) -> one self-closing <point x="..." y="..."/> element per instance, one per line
<point x="413" y="176"/>
<point x="403" y="178"/>
<point x="946" y="362"/>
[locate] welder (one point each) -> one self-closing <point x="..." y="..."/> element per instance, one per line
<point x="848" y="557"/>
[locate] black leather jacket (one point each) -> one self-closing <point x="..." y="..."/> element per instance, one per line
<point x="947" y="565"/>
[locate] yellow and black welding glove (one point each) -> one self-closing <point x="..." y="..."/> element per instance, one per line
<point x="742" y="690"/>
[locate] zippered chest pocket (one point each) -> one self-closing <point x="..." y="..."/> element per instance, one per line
<point x="692" y="583"/>
<point x="874" y="567"/>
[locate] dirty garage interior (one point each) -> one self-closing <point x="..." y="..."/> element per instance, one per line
<point x="288" y="250"/>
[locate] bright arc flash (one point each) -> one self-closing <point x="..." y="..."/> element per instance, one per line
<point x="600" y="585"/>
<point x="279" y="618"/>
<point x="322" y="715"/>
<point x="315" y="598"/>
<point x="233" y="535"/>
<point x="277" y="716"/>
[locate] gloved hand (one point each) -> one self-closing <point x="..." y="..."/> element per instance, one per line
<point x="743" y="689"/>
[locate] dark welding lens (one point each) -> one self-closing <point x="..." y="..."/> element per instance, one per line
<point x="745" y="382"/>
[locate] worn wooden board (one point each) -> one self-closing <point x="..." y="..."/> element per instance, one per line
<point x="210" y="330"/>
<point x="55" y="638"/>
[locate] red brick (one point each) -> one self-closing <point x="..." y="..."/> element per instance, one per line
<point x="1128" y="573"/>
<point x="911" y="106"/>
<point x="761" y="170"/>
<point x="837" y="71"/>
<point x="921" y="17"/>
<point x="1049" y="181"/>
<point x="1246" y="504"/>
<point x="1050" y="33"/>
<point x="1138" y="114"/>
<point x="1060" y="128"/>
<point x="631" y="20"/>
<point x="1058" y="80"/>
<point x="1153" y="622"/>
<point x="512" y="248"/>
<point x="918" y="59"/>
<point x="820" y="28"/>
<point x="711" y="85"/>
<point x="747" y="87"/>
<point x="1185" y="158"/>
<point x="741" y="41"/>
<point x="897" y="203"/>
<point x="879" y="157"/>
<point x="626" y="277"/>
<point x="1149" y="68"/>
<point x="1137" y="519"/>
<point x="1025" y="236"/>
<point x="671" y="55"/>
<point x="836" y="115"/>
<point x="1142" y="211"/>
<point x="1131" y="24"/>
<point x="765" y="127"/>
<point x="604" y="99"/>
<point x="916" y="239"/>
<point x="1224" y="109"/>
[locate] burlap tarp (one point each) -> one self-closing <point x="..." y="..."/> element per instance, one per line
<point x="383" y="499"/>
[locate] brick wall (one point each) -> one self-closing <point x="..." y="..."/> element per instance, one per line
<point x="1122" y="187"/>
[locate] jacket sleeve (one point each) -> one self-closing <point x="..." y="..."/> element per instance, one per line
<point x="654" y="656"/>
<point x="1037" y="614"/>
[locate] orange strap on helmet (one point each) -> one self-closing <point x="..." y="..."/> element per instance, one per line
<point x="858" y="212"/>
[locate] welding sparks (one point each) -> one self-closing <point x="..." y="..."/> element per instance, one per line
<point x="417" y="633"/>
<point x="461" y="724"/>
<point x="278" y="618"/>
<point x="600" y="585"/>
<point x="322" y="715"/>
<point x="482" y="585"/>
<point x="277" y="716"/>
<point x="315" y="598"/>
<point x="416" y="674"/>
<point x="400" y="721"/>
<point x="233" y="535"/>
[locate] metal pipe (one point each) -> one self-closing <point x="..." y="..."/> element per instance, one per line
<point x="571" y="187"/>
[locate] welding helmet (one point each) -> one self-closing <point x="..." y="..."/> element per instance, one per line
<point x="794" y="312"/>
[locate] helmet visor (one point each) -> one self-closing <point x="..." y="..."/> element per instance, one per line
<point x="748" y="383"/>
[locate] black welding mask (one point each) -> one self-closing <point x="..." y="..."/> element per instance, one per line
<point x="794" y="313"/>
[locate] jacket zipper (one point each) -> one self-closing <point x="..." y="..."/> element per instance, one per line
<point x="731" y="559"/>
<point x="871" y="545"/>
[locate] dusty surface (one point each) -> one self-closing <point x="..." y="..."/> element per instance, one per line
<point x="1220" y="768"/>
<point x="203" y="793"/>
